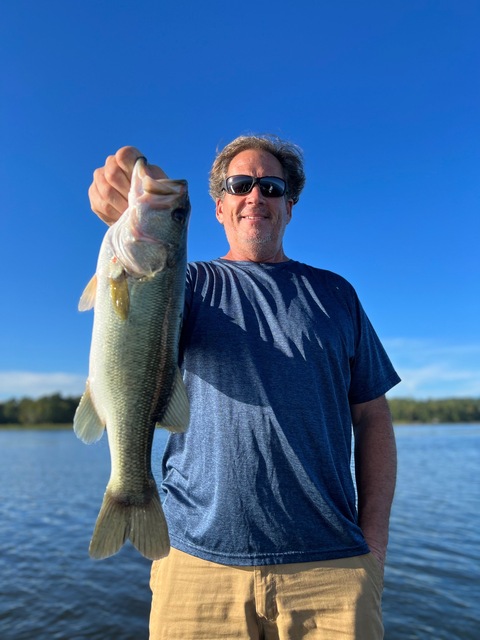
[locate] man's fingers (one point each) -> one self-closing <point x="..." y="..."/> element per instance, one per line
<point x="111" y="183"/>
<point x="106" y="201"/>
<point x="117" y="176"/>
<point x="125" y="158"/>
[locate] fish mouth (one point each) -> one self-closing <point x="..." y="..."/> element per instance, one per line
<point x="164" y="186"/>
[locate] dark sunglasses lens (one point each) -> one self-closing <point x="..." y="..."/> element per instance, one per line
<point x="241" y="185"/>
<point x="238" y="185"/>
<point x="272" y="187"/>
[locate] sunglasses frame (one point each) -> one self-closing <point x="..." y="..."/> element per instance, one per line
<point x="226" y="187"/>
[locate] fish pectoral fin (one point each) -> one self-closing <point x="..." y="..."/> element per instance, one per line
<point x="177" y="415"/>
<point x="120" y="294"/>
<point x="87" y="424"/>
<point x="87" y="299"/>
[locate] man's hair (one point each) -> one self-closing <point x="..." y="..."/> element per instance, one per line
<point x="288" y="154"/>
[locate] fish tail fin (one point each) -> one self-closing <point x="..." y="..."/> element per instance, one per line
<point x="143" y="524"/>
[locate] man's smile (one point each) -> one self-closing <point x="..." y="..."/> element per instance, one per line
<point x="254" y="215"/>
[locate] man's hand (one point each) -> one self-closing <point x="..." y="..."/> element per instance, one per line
<point x="108" y="192"/>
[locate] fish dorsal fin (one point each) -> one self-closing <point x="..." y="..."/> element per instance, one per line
<point x="87" y="424"/>
<point x="177" y="415"/>
<point x="87" y="300"/>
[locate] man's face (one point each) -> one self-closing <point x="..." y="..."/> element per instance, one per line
<point x="254" y="224"/>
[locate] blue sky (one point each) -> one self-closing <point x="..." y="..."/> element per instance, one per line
<point x="383" y="97"/>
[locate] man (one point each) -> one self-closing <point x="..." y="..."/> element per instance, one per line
<point x="279" y="360"/>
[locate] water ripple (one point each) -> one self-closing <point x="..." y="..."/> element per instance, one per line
<point x="51" y="488"/>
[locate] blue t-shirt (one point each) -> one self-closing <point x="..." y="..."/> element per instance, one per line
<point x="272" y="357"/>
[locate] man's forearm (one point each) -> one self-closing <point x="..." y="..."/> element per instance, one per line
<point x="375" y="469"/>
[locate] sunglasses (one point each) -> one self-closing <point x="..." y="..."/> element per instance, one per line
<point x="270" y="186"/>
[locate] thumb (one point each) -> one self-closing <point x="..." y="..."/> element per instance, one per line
<point x="126" y="158"/>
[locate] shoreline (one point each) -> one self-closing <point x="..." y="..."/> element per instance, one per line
<point x="69" y="426"/>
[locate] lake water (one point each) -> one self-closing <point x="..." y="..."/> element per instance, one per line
<point x="51" y="486"/>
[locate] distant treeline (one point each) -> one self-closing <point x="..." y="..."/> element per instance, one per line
<point x="58" y="410"/>
<point x="449" y="410"/>
<point x="47" y="410"/>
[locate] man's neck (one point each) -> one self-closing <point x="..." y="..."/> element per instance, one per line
<point x="256" y="256"/>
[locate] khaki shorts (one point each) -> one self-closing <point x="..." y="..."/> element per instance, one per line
<point x="330" y="600"/>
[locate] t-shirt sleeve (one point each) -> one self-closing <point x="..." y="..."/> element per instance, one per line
<point x="372" y="373"/>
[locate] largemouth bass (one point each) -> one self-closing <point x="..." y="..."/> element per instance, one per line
<point x="134" y="382"/>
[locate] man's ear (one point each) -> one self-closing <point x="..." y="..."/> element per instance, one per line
<point x="289" y="210"/>
<point x="219" y="210"/>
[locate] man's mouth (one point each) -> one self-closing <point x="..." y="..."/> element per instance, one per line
<point x="254" y="216"/>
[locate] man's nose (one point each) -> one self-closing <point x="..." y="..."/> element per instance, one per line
<point x="255" y="194"/>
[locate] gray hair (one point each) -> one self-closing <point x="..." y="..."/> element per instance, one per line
<point x="288" y="154"/>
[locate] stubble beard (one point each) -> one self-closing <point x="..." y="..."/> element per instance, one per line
<point x="259" y="239"/>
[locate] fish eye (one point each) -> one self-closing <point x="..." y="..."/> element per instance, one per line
<point x="179" y="214"/>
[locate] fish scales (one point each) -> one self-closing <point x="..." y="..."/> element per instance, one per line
<point x="134" y="382"/>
